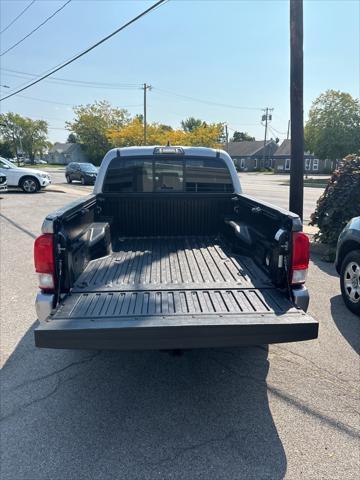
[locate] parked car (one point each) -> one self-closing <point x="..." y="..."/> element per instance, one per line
<point x="348" y="264"/>
<point x="167" y="253"/>
<point x="29" y="180"/>
<point x="83" y="172"/>
<point x="3" y="183"/>
<point x="27" y="161"/>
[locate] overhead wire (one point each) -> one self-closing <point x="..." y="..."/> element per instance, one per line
<point x="69" y="81"/>
<point x="87" y="50"/>
<point x="16" y="18"/>
<point x="208" y="102"/>
<point x="35" y="29"/>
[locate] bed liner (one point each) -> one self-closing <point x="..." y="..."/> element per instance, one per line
<point x="166" y="292"/>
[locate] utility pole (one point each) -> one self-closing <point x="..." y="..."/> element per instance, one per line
<point x="145" y="87"/>
<point x="267" y="117"/>
<point x="227" y="137"/>
<point x="296" y="200"/>
<point x="288" y="130"/>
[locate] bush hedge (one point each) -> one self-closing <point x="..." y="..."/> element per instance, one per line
<point x="339" y="202"/>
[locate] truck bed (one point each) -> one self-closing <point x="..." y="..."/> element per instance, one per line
<point x="170" y="262"/>
<point x="176" y="292"/>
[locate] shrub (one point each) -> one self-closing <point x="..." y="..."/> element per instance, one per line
<point x="339" y="202"/>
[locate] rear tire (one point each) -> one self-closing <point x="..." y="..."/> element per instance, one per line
<point x="30" y="185"/>
<point x="68" y="179"/>
<point x="350" y="281"/>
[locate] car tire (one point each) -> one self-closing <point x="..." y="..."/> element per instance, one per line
<point x="30" y="185"/>
<point x="350" y="281"/>
<point x="68" y="179"/>
<point x="83" y="182"/>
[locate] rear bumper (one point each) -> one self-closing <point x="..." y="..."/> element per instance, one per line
<point x="156" y="333"/>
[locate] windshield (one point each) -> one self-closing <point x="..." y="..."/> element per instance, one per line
<point x="88" y="167"/>
<point x="6" y="163"/>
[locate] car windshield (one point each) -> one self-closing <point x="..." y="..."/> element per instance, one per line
<point x="88" y="167"/>
<point x="6" y="163"/>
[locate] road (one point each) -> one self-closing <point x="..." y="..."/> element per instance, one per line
<point x="284" y="411"/>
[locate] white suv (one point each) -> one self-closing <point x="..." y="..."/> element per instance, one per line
<point x="29" y="179"/>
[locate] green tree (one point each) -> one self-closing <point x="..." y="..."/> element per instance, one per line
<point x="24" y="135"/>
<point x="72" y="138"/>
<point x="333" y="128"/>
<point x="242" y="137"/>
<point x="5" y="149"/>
<point x="91" y="125"/>
<point x="191" y="123"/>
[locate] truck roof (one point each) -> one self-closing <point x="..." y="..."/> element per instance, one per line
<point x="151" y="150"/>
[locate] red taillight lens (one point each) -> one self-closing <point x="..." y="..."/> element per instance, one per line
<point x="44" y="261"/>
<point x="300" y="257"/>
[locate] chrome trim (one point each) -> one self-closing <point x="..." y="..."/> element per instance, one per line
<point x="44" y="305"/>
<point x="47" y="226"/>
<point x="301" y="297"/>
<point x="279" y="233"/>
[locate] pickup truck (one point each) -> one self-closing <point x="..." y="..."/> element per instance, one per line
<point x="168" y="253"/>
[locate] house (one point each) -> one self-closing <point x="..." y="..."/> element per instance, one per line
<point x="282" y="161"/>
<point x="252" y="155"/>
<point x="64" y="153"/>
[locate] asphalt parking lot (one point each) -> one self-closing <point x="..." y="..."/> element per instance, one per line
<point x="285" y="411"/>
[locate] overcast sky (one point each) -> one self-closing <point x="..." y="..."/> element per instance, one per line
<point x="234" y="53"/>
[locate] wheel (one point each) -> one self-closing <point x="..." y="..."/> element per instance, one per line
<point x="30" y="185"/>
<point x="68" y="179"/>
<point x="83" y="181"/>
<point x="350" y="281"/>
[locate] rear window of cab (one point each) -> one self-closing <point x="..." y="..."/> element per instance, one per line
<point x="167" y="174"/>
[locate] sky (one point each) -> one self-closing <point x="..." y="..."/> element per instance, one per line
<point x="231" y="57"/>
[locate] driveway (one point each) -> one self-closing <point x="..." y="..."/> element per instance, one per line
<point x="284" y="411"/>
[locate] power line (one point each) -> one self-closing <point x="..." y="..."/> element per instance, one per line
<point x="208" y="102"/>
<point x="84" y="52"/>
<point x="16" y="18"/>
<point x="69" y="81"/>
<point x="277" y="131"/>
<point x="69" y="104"/>
<point x="46" y="101"/>
<point x="90" y="85"/>
<point x="36" y="28"/>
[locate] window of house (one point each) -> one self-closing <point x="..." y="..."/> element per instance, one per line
<point x="287" y="164"/>
<point x="316" y="164"/>
<point x="307" y="163"/>
<point x="242" y="163"/>
<point x="256" y="163"/>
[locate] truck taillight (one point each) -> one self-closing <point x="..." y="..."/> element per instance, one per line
<point x="44" y="261"/>
<point x="300" y="258"/>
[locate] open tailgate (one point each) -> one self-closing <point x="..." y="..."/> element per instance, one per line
<point x="175" y="319"/>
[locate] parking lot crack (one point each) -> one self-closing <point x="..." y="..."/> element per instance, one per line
<point x="190" y="448"/>
<point x="57" y="372"/>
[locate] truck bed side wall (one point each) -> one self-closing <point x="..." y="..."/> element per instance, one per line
<point x="84" y="229"/>
<point x="79" y="238"/>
